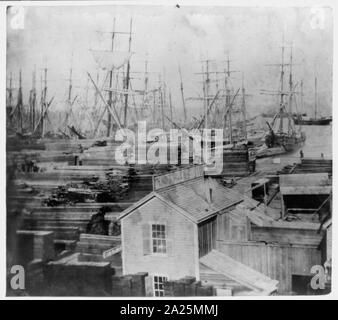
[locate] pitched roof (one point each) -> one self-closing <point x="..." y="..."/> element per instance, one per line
<point x="192" y="199"/>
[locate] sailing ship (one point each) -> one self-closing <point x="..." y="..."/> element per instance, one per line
<point x="289" y="139"/>
<point x="321" y="121"/>
<point x="220" y="110"/>
<point x="282" y="135"/>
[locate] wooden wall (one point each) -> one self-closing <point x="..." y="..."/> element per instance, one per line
<point x="278" y="262"/>
<point x="284" y="235"/>
<point x="182" y="257"/>
<point x="207" y="232"/>
<point x="233" y="226"/>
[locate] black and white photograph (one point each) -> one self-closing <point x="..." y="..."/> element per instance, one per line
<point x="168" y="149"/>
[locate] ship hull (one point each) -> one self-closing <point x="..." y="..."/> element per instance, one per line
<point x="288" y="142"/>
<point x="313" y="122"/>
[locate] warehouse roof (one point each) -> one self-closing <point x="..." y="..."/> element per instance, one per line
<point x="197" y="199"/>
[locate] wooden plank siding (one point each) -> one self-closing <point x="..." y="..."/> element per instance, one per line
<point x="207" y="232"/>
<point x="233" y="226"/>
<point x="181" y="258"/>
<point x="286" y="236"/>
<point x="278" y="262"/>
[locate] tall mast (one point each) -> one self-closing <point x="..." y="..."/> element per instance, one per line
<point x="20" y="103"/>
<point x="154" y="109"/>
<point x="228" y="107"/>
<point x="290" y="89"/>
<point x="204" y="99"/>
<point x="33" y="100"/>
<point x="207" y="89"/>
<point x="161" y="101"/>
<point x="282" y="90"/>
<point x="41" y="93"/>
<point x="171" y="107"/>
<point x="290" y="82"/>
<point x="69" y="98"/>
<point x="164" y="93"/>
<point x="70" y="81"/>
<point x="44" y="103"/>
<point x="282" y="77"/>
<point x="10" y="94"/>
<point x="228" y="66"/>
<point x="96" y="94"/>
<point x="244" y="109"/>
<point x="316" y="98"/>
<point x="301" y="95"/>
<point x="9" y="107"/>
<point x="127" y="78"/>
<point x="146" y="80"/>
<point x="216" y="113"/>
<point x="86" y="93"/>
<point x="182" y="95"/>
<point x="110" y="84"/>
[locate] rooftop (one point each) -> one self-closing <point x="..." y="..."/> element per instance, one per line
<point x="198" y="199"/>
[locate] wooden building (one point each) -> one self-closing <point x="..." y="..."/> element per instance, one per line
<point x="193" y="226"/>
<point x="167" y="231"/>
<point x="305" y="194"/>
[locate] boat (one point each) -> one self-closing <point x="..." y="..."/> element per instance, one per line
<point x="289" y="139"/>
<point x="237" y="152"/>
<point x="282" y="132"/>
<point x="257" y="137"/>
<point x="264" y="151"/>
<point x="308" y="121"/>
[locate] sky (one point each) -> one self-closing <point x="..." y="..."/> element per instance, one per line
<point x="168" y="36"/>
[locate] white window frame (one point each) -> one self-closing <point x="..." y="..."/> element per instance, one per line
<point x="165" y="239"/>
<point x="164" y="278"/>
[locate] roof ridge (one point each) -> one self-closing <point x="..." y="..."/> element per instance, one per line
<point x="179" y="183"/>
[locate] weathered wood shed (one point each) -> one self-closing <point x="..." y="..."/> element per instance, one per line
<point x="305" y="193"/>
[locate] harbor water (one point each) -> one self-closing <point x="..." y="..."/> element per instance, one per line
<point x="318" y="143"/>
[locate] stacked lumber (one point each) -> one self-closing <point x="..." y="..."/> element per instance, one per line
<point x="129" y="285"/>
<point x="187" y="286"/>
<point x="309" y="165"/>
<point x="75" y="217"/>
<point x="236" y="163"/>
<point x="71" y="276"/>
<point x="97" y="244"/>
<point x="38" y="244"/>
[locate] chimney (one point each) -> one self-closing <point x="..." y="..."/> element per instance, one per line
<point x="208" y="190"/>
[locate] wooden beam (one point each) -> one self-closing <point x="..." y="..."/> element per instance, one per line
<point x="114" y="114"/>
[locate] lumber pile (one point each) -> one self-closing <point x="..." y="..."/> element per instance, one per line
<point x="68" y="222"/>
<point x="187" y="286"/>
<point x="309" y="165"/>
<point x="70" y="276"/>
<point x="35" y="244"/>
<point x="129" y="285"/>
<point x="97" y="244"/>
<point x="236" y="163"/>
<point x="112" y="188"/>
